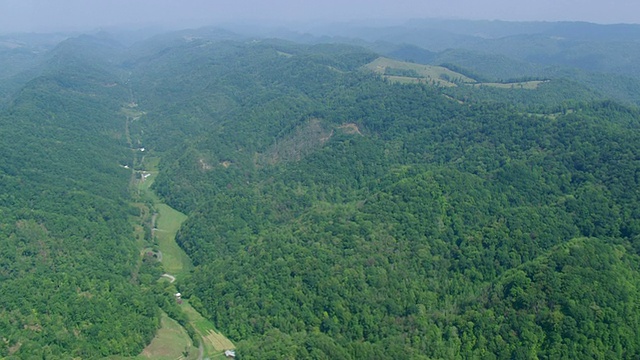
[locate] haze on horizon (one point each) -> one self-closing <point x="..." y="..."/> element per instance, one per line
<point x="63" y="15"/>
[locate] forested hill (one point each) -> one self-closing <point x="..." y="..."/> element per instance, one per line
<point x="390" y="241"/>
<point x="600" y="57"/>
<point x="66" y="241"/>
<point x="333" y="212"/>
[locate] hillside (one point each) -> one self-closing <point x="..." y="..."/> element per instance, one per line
<point x="331" y="203"/>
<point x="66" y="239"/>
<point x="366" y="241"/>
<point x="590" y="47"/>
<point x="600" y="58"/>
<point x="406" y="73"/>
<point x="358" y="245"/>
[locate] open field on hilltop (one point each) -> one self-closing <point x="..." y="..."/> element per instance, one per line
<point x="398" y="71"/>
<point x="403" y="72"/>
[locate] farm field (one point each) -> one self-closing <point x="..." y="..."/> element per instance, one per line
<point x="170" y="343"/>
<point x="166" y="225"/>
<point x="174" y="259"/>
<point x="151" y="168"/>
<point x="214" y="343"/>
<point x="172" y="340"/>
<point x="410" y="73"/>
<point x="405" y="72"/>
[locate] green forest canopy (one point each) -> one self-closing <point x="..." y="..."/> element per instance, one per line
<point x="332" y="214"/>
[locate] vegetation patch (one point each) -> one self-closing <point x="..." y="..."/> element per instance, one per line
<point x="287" y="55"/>
<point x="174" y="260"/>
<point x="350" y="128"/>
<point x="171" y="342"/>
<point x="298" y="143"/>
<point x="204" y="165"/>
<point x="214" y="342"/>
<point x="504" y="227"/>
<point x="527" y="85"/>
<point x="405" y="72"/>
<point x="402" y="72"/>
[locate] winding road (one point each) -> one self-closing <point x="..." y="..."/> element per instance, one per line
<point x="170" y="277"/>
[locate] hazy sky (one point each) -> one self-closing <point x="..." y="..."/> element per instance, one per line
<point x="46" y="15"/>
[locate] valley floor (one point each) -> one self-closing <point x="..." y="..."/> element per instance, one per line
<point x="171" y="342"/>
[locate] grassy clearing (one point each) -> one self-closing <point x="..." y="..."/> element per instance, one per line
<point x="151" y="168"/>
<point x="170" y="343"/>
<point x="214" y="342"/>
<point x="435" y="75"/>
<point x="144" y="185"/>
<point x="172" y="340"/>
<point x="429" y="74"/>
<point x="174" y="260"/>
<point x="218" y="357"/>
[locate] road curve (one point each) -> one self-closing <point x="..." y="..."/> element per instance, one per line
<point x="170" y="277"/>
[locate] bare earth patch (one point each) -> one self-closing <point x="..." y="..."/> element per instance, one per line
<point x="204" y="166"/>
<point x="350" y="128"/>
<point x="15" y="348"/>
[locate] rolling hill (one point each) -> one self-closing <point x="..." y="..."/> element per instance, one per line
<point x="339" y="203"/>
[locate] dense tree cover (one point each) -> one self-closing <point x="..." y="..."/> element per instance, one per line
<point x="420" y="226"/>
<point x="549" y="94"/>
<point x="66" y="243"/>
<point x="331" y="214"/>
<point x="621" y="87"/>
<point x="603" y="66"/>
<point x="560" y="306"/>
